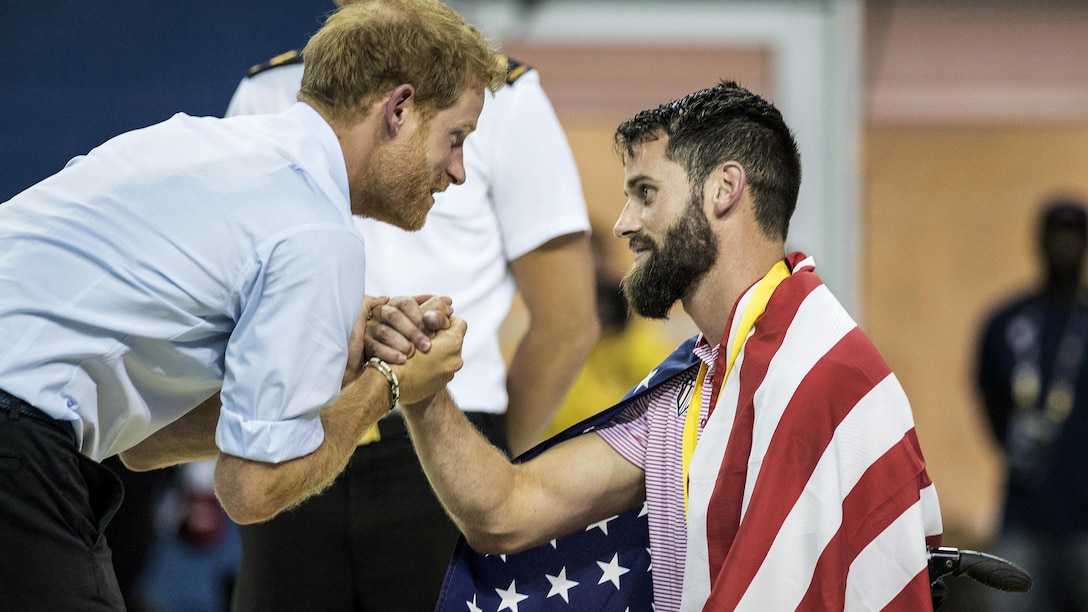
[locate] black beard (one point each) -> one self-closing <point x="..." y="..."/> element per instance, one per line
<point x="670" y="270"/>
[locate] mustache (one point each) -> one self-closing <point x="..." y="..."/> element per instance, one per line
<point x="642" y="241"/>
<point x="443" y="185"/>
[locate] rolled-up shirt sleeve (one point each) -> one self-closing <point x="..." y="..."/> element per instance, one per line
<point x="286" y="356"/>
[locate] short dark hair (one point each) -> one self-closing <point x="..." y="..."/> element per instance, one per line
<point x="722" y="123"/>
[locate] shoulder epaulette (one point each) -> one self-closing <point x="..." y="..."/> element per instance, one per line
<point x="283" y="59"/>
<point x="514" y="70"/>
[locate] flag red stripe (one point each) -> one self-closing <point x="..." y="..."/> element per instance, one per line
<point x="867" y="511"/>
<point x="822" y="400"/>
<point x="723" y="518"/>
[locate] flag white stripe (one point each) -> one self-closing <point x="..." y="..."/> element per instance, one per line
<point x="819" y="324"/>
<point x="873" y="582"/>
<point x="931" y="511"/>
<point x="867" y="432"/>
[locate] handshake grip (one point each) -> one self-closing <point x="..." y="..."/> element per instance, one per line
<point x="425" y="374"/>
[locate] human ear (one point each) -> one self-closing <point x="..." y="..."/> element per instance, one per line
<point x="727" y="183"/>
<point x="401" y="98"/>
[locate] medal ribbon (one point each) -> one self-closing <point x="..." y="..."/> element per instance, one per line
<point x="752" y="311"/>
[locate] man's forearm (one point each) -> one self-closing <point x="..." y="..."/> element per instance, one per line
<point x="190" y="438"/>
<point x="556" y="283"/>
<point x="254" y="491"/>
<point x="503" y="507"/>
<point x="473" y="479"/>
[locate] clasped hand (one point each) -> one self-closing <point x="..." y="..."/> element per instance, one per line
<point x="418" y="336"/>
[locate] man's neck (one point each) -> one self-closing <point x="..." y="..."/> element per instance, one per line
<point x="711" y="303"/>
<point x="358" y="143"/>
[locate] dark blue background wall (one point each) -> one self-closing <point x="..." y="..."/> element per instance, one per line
<point x="73" y="73"/>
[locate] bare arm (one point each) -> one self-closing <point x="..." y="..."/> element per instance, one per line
<point x="190" y="438"/>
<point x="556" y="283"/>
<point x="254" y="491"/>
<point x="503" y="507"/>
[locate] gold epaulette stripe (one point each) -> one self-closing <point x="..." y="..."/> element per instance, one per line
<point x="514" y="70"/>
<point x="283" y="59"/>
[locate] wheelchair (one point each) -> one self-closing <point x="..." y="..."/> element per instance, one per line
<point x="984" y="568"/>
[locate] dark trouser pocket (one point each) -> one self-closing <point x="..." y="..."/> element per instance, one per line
<point x="55" y="503"/>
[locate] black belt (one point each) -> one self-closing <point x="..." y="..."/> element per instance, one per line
<point x="16" y="408"/>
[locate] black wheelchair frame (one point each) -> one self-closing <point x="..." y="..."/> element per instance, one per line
<point x="984" y="568"/>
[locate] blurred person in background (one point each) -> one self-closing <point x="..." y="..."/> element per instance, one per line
<point x="132" y="531"/>
<point x="1032" y="377"/>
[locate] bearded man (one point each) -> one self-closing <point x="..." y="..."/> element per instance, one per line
<point x="778" y="462"/>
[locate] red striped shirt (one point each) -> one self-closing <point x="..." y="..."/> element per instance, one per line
<point x="649" y="435"/>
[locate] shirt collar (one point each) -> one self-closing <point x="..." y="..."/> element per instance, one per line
<point x="323" y="149"/>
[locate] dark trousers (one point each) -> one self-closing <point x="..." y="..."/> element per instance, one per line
<point x="54" y="506"/>
<point x="131" y="533"/>
<point x="376" y="541"/>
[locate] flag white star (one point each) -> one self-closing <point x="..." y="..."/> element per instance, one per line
<point x="472" y="607"/>
<point x="646" y="381"/>
<point x="650" y="565"/>
<point x="510" y="598"/>
<point x="611" y="571"/>
<point x="645" y="509"/>
<point x="603" y="525"/>
<point x="560" y="584"/>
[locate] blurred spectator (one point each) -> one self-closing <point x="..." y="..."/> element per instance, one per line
<point x="1033" y="380"/>
<point x="196" y="552"/>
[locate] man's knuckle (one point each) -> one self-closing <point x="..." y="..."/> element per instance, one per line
<point x="384" y="334"/>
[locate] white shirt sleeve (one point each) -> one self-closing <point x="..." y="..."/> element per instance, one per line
<point x="533" y="176"/>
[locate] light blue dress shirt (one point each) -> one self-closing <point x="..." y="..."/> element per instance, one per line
<point x="175" y="260"/>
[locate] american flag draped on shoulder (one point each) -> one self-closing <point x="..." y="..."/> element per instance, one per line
<point x="808" y="489"/>
<point x="604" y="568"/>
